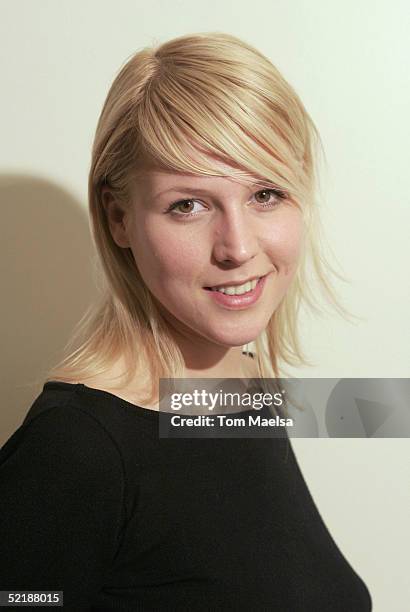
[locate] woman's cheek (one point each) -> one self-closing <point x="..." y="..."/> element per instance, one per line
<point x="165" y="255"/>
<point x="284" y="244"/>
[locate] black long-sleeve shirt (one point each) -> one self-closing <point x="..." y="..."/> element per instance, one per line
<point x="95" y="504"/>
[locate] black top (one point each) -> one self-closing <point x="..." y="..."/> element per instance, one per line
<point x="95" y="504"/>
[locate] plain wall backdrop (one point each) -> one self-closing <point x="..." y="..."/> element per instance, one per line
<point x="349" y="64"/>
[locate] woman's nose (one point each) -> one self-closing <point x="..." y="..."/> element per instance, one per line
<point x="236" y="239"/>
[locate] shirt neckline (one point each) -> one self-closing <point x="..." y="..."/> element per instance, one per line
<point x="92" y="391"/>
<point x="139" y="410"/>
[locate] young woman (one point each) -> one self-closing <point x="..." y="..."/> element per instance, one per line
<point x="202" y="194"/>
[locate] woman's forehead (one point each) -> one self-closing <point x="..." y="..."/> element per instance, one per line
<point x="150" y="172"/>
<point x="158" y="181"/>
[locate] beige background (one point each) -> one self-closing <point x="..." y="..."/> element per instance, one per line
<point x="349" y="63"/>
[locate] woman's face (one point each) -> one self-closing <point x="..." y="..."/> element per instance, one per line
<point x="228" y="233"/>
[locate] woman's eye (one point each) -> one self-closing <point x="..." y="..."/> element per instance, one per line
<point x="270" y="198"/>
<point x="186" y="208"/>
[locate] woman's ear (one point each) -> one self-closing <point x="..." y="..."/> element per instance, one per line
<point x="116" y="216"/>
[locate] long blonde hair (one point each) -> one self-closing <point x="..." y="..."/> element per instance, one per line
<point x="195" y="95"/>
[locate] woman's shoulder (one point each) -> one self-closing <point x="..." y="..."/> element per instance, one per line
<point x="109" y="410"/>
<point x="60" y="442"/>
<point x="111" y="382"/>
<point x="59" y="415"/>
<point x="63" y="487"/>
<point x="79" y="423"/>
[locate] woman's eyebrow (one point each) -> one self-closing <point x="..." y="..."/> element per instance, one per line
<point x="183" y="189"/>
<point x="198" y="190"/>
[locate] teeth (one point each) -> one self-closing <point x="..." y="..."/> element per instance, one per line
<point x="239" y="289"/>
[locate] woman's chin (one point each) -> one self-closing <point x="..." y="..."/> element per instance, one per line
<point x="233" y="340"/>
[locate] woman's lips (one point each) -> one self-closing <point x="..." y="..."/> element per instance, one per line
<point x="238" y="302"/>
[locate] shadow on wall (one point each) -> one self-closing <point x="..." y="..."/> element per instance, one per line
<point x="47" y="262"/>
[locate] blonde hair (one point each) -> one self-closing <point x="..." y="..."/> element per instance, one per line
<point x="196" y="95"/>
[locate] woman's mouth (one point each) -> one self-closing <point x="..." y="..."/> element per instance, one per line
<point x="238" y="297"/>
